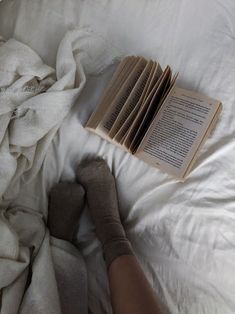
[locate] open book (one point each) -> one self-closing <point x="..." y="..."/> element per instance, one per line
<point x="145" y="113"/>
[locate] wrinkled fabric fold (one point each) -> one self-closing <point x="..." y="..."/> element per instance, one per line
<point x="34" y="100"/>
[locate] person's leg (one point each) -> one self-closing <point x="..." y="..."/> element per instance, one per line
<point x="130" y="291"/>
<point x="66" y="202"/>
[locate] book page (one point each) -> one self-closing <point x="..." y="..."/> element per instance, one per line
<point x="132" y="99"/>
<point x="153" y="81"/>
<point x="117" y="80"/>
<point x="143" y="108"/>
<point x="153" y="78"/>
<point x="156" y="101"/>
<point x="177" y="131"/>
<point x="152" y="117"/>
<point x="119" y="100"/>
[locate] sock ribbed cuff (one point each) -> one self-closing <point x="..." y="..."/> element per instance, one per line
<point x="115" y="249"/>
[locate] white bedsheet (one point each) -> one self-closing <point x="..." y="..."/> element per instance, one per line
<point x="184" y="234"/>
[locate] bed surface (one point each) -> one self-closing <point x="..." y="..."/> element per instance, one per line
<point x="183" y="233"/>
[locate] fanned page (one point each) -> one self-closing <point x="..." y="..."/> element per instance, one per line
<point x="178" y="130"/>
<point x="121" y="134"/>
<point x="151" y="110"/>
<point x="154" y="97"/>
<point x="132" y="99"/>
<point x="120" y="98"/>
<point x="118" y="79"/>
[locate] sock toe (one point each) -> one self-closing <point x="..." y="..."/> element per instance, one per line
<point x="92" y="171"/>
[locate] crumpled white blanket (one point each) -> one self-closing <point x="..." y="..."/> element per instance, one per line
<point x="34" y="100"/>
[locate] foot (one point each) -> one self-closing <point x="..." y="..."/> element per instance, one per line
<point x="101" y="194"/>
<point x="66" y="201"/>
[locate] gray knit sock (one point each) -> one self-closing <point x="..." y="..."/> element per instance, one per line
<point x="101" y="195"/>
<point x="66" y="201"/>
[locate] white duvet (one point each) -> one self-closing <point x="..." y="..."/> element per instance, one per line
<point x="183" y="233"/>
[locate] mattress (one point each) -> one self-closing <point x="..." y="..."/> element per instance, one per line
<point x="182" y="233"/>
